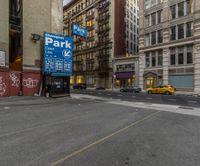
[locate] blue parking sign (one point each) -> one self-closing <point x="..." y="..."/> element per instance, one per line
<point x="57" y="54"/>
<point x="79" y="30"/>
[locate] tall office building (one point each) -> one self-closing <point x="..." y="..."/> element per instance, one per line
<point x="112" y="36"/>
<point x="170" y="43"/>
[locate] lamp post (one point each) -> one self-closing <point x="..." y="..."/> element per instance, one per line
<point x="113" y="75"/>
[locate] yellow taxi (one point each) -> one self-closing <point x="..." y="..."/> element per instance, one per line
<point x="162" y="89"/>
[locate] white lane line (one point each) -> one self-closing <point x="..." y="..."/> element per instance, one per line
<point x="194" y="102"/>
<point x="149" y="98"/>
<point x="109" y="94"/>
<point x="119" y="95"/>
<point x="172" y="99"/>
<point x="133" y="96"/>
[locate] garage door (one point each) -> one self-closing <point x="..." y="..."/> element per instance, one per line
<point x="182" y="81"/>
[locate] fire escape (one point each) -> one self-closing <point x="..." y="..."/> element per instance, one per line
<point x="104" y="42"/>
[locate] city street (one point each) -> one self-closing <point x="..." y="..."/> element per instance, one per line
<point x="62" y="64"/>
<point x="182" y="100"/>
<point x="88" y="131"/>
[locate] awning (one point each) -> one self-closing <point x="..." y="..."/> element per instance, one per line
<point x="124" y="75"/>
<point x="60" y="74"/>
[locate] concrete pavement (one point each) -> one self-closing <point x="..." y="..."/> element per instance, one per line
<point x="83" y="131"/>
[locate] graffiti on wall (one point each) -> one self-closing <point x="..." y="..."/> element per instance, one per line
<point x="15" y="80"/>
<point x="2" y="87"/>
<point x="30" y="83"/>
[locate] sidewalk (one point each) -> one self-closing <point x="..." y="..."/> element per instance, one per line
<point x="29" y="100"/>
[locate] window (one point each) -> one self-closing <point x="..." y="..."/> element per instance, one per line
<point x="153" y="19"/>
<point x="173" y="56"/>
<point x="189" y="29"/>
<point x="189" y="7"/>
<point x="173" y="33"/>
<point x="181" y="31"/>
<point x="159" y="13"/>
<point x="153" y="38"/>
<point x="147" y="40"/>
<point x="160" y="36"/>
<point x="153" y="59"/>
<point x="147" y="4"/>
<point x="184" y="30"/>
<point x="180" y="56"/>
<point x="181" y="9"/>
<point x="147" y="21"/>
<point x="160" y="58"/>
<point x="189" y="55"/>
<point x="173" y="11"/>
<point x="147" y="60"/>
<point x="151" y="3"/>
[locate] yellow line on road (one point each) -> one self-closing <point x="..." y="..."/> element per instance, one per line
<point x="102" y="139"/>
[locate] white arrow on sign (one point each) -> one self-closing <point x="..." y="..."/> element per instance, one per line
<point x="66" y="53"/>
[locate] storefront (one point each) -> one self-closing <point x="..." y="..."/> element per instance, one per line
<point x="182" y="81"/>
<point x="152" y="79"/>
<point x="124" y="79"/>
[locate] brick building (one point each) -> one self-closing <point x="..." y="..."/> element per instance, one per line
<point x="97" y="58"/>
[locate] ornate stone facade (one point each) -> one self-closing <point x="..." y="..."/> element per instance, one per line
<point x="178" y="44"/>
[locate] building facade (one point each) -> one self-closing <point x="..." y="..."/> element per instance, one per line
<point x="20" y="52"/>
<point x="170" y="44"/>
<point x="126" y="66"/>
<point x="94" y="57"/>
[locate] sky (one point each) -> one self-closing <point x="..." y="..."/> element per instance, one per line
<point x="66" y="1"/>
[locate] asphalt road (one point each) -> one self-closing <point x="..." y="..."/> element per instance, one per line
<point x="83" y="132"/>
<point x="182" y="100"/>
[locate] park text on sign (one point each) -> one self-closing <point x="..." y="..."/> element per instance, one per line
<point x="57" y="54"/>
<point x="79" y="30"/>
<point x="2" y="58"/>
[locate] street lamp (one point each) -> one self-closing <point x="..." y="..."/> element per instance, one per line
<point x="113" y="75"/>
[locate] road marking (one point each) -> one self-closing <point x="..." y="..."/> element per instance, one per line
<point x="6" y="108"/>
<point x="149" y="98"/>
<point x="172" y="99"/>
<point x="119" y="95"/>
<point x="133" y="96"/>
<point x="77" y="152"/>
<point x="109" y="94"/>
<point x="194" y="102"/>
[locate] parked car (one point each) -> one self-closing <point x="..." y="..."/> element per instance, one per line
<point x="80" y="86"/>
<point x="131" y="89"/>
<point x="162" y="89"/>
<point x="100" y="88"/>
